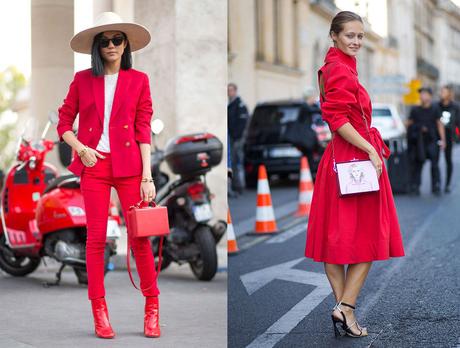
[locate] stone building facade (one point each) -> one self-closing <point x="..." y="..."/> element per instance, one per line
<point x="275" y="47"/>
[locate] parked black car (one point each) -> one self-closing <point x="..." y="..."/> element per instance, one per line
<point x="279" y="134"/>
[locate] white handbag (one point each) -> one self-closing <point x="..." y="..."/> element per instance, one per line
<point x="356" y="176"/>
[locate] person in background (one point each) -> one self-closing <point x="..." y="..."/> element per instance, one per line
<point x="237" y="117"/>
<point x="301" y="133"/>
<point x="311" y="108"/>
<point x="426" y="136"/>
<point x="310" y="96"/>
<point x="450" y="118"/>
<point x="230" y="192"/>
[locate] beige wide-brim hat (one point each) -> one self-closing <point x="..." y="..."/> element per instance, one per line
<point x="138" y="35"/>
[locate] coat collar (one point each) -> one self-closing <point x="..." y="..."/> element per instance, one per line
<point x="336" y="55"/>
<point x="123" y="81"/>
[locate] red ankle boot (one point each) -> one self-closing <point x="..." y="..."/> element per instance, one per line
<point x="101" y="319"/>
<point x="152" y="317"/>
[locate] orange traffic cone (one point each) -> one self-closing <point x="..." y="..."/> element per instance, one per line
<point x="305" y="189"/>
<point x="265" y="216"/>
<point x="232" y="246"/>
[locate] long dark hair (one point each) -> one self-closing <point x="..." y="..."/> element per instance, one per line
<point x="340" y="19"/>
<point x="97" y="63"/>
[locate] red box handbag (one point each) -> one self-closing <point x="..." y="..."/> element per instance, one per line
<point x="146" y="219"/>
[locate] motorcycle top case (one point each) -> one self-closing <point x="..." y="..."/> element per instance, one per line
<point x="193" y="154"/>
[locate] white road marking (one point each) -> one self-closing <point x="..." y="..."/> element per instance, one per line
<point x="254" y="281"/>
<point x="418" y="235"/>
<point x="290" y="233"/>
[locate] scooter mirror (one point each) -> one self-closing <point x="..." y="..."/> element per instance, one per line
<point x="157" y="126"/>
<point x="53" y="117"/>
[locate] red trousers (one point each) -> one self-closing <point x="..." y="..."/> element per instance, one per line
<point x="96" y="183"/>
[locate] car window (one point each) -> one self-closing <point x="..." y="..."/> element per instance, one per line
<point x="383" y="112"/>
<point x="268" y="123"/>
<point x="270" y="116"/>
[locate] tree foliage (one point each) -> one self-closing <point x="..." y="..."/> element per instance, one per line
<point x="11" y="82"/>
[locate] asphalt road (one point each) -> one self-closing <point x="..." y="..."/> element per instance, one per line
<point x="412" y="301"/>
<point x="243" y="207"/>
<point x="192" y="313"/>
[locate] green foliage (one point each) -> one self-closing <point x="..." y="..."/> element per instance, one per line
<point x="11" y="82"/>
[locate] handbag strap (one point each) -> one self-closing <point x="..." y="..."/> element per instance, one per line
<point x="322" y="93"/>
<point x="160" y="252"/>
<point x="128" y="252"/>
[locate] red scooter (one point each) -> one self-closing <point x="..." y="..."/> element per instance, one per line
<point x="42" y="214"/>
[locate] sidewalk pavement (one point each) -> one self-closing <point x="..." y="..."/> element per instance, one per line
<point x="192" y="313"/>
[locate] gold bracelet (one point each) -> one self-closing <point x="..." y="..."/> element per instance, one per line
<point x="82" y="151"/>
<point x="147" y="180"/>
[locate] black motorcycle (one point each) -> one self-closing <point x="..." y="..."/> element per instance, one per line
<point x="192" y="239"/>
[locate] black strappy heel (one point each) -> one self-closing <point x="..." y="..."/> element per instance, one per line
<point x="345" y="326"/>
<point x="336" y="321"/>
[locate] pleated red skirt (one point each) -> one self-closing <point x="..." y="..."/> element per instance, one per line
<point x="356" y="228"/>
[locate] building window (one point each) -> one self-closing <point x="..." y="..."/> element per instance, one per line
<point x="260" y="37"/>
<point x="277" y="31"/>
<point x="316" y="62"/>
<point x="295" y="33"/>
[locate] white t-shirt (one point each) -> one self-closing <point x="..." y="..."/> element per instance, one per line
<point x="110" y="83"/>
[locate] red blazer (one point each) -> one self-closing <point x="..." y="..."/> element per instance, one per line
<point x="129" y="120"/>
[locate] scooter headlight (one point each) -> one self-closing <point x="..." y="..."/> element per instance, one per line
<point x="76" y="211"/>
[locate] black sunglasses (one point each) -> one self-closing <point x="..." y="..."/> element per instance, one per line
<point x="117" y="41"/>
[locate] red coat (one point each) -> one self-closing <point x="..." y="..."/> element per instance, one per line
<point x="129" y="120"/>
<point x="357" y="228"/>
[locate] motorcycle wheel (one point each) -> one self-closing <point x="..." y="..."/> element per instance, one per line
<point x="205" y="266"/>
<point x="18" y="266"/>
<point x="81" y="273"/>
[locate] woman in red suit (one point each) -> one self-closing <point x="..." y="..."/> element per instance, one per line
<point x="113" y="146"/>
<point x="357" y="229"/>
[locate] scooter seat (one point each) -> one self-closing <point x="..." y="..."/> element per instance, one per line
<point x="59" y="182"/>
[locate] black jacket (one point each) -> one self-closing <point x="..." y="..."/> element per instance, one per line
<point x="424" y="117"/>
<point x="237" y="117"/>
<point x="450" y="117"/>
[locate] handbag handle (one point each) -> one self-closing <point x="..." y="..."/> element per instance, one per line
<point x="143" y="204"/>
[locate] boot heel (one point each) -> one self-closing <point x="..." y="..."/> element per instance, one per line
<point x="102" y="327"/>
<point x="152" y="317"/>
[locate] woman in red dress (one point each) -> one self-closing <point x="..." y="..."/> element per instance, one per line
<point x="357" y="229"/>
